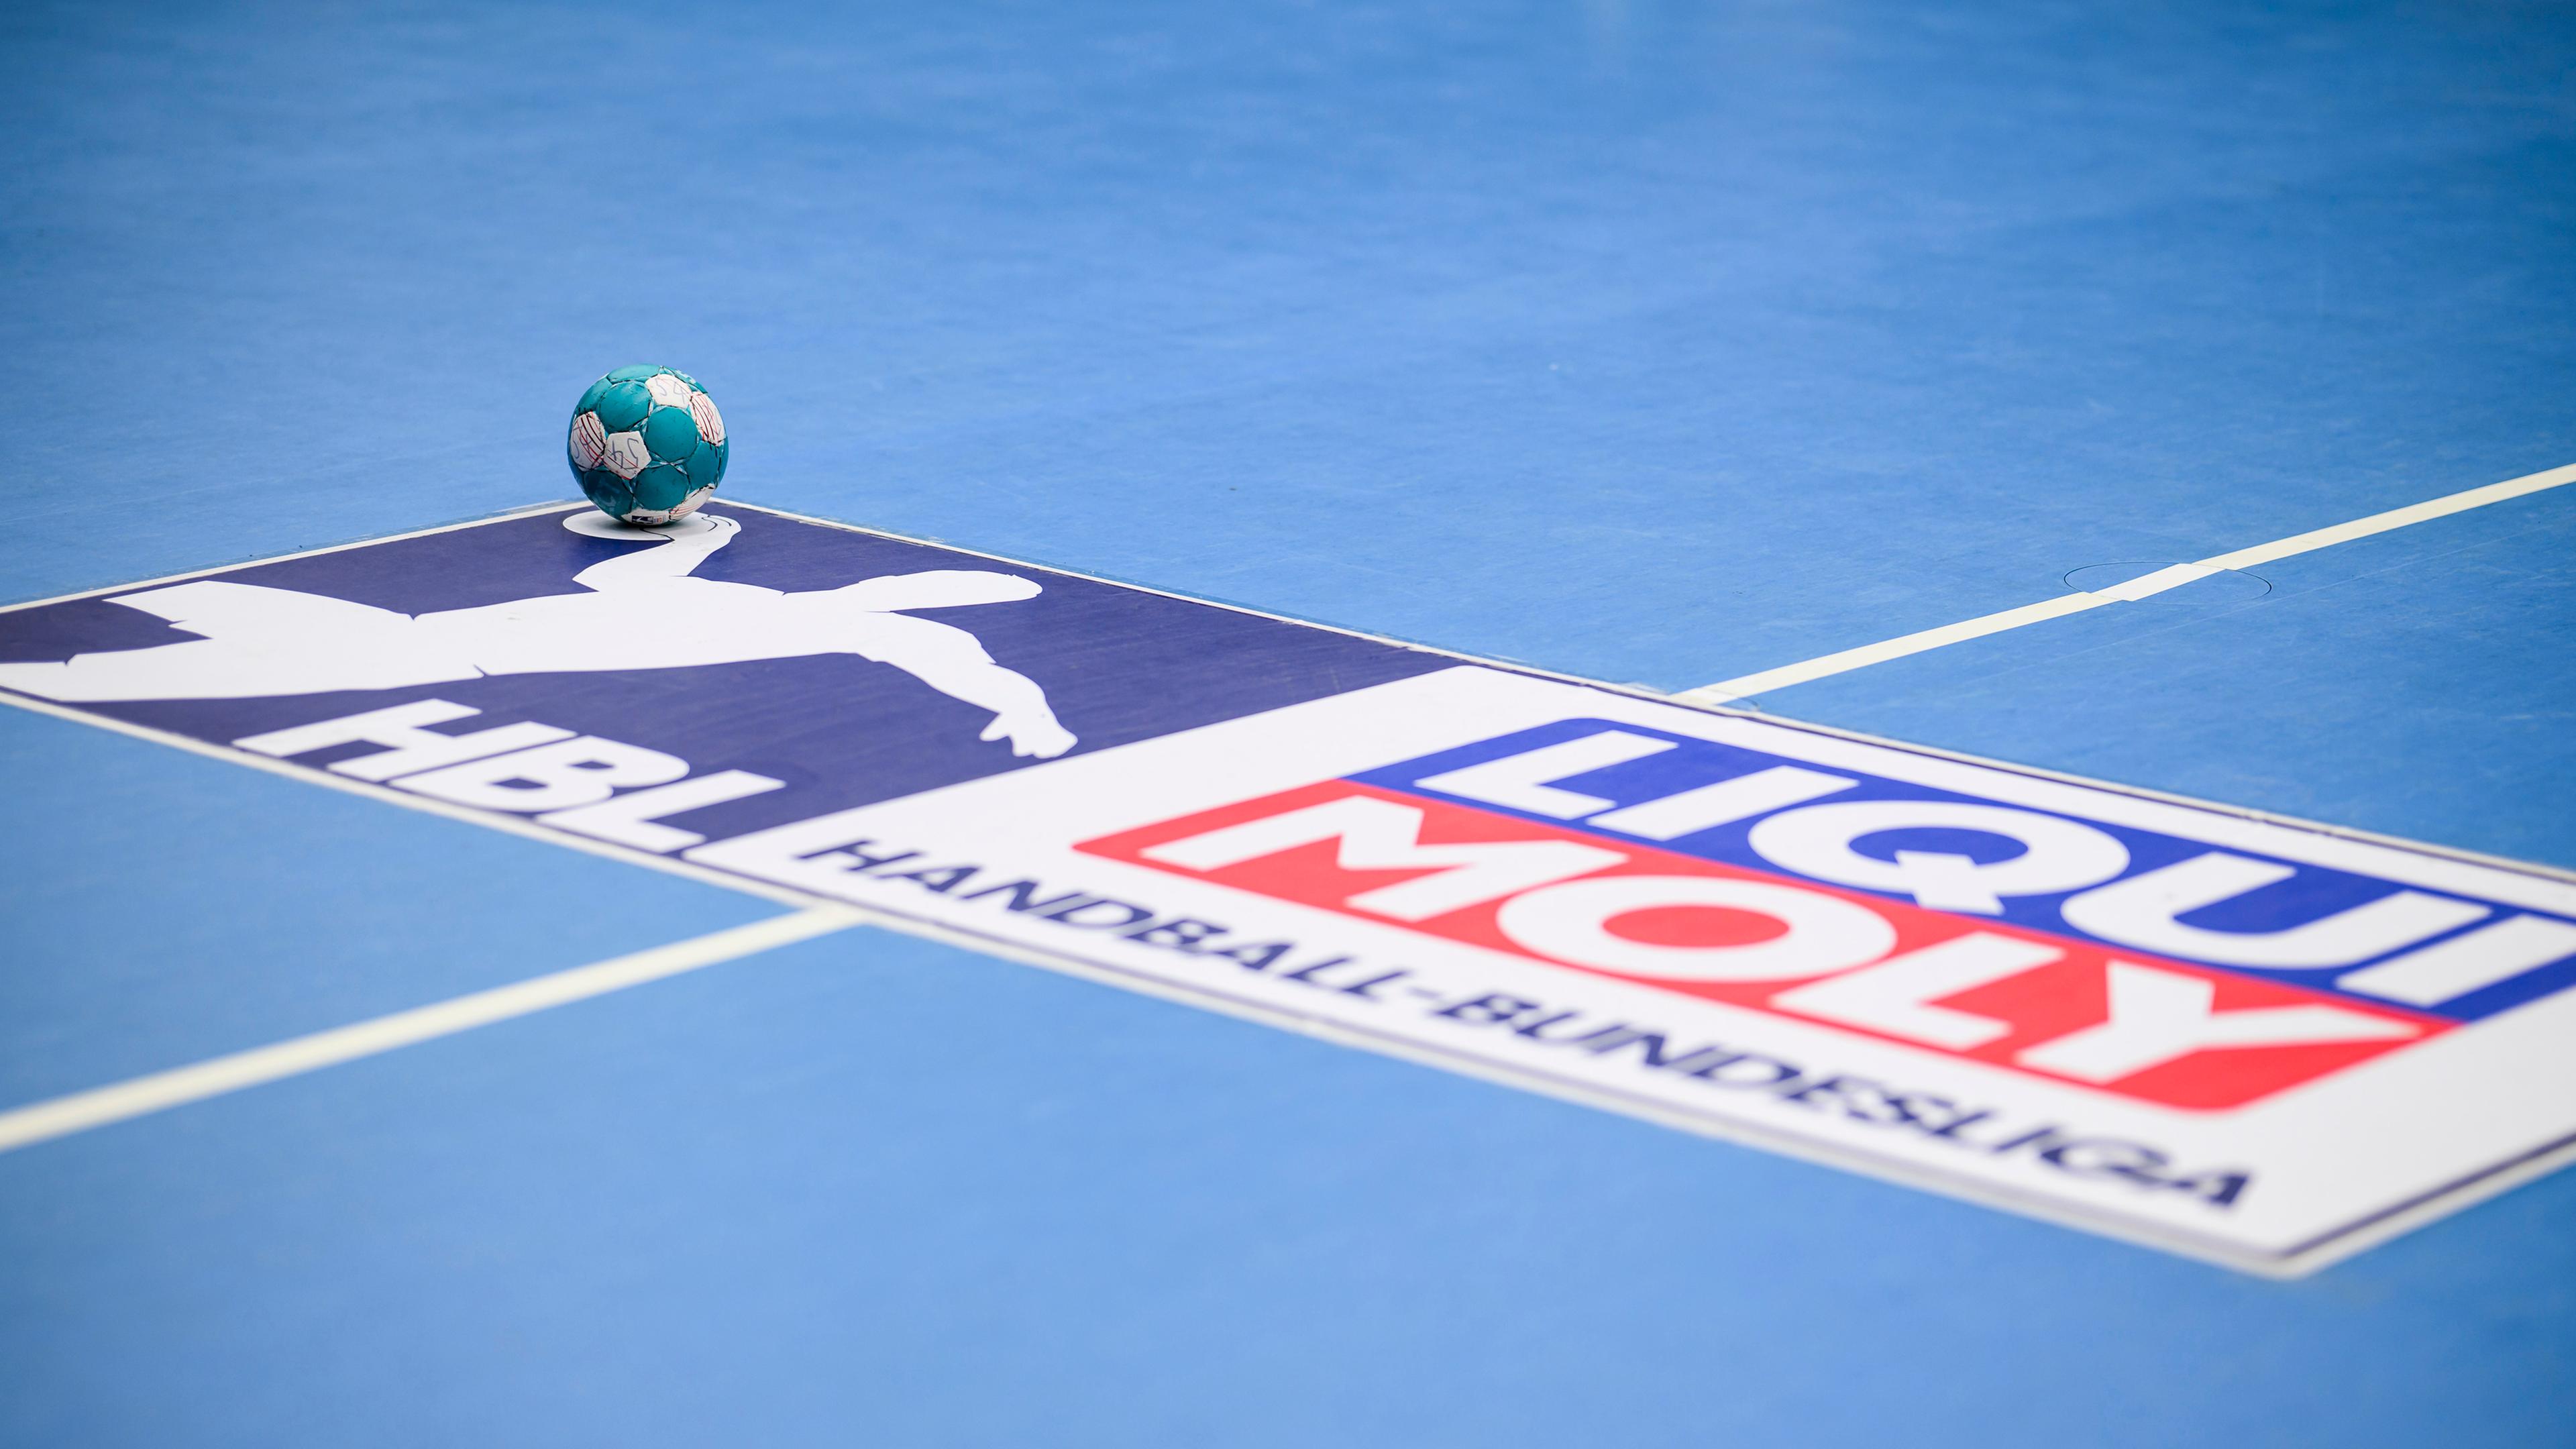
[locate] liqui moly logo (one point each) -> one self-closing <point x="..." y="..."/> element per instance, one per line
<point x="2150" y="965"/>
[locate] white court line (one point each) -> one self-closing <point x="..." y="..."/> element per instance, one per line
<point x="1744" y="686"/>
<point x="138" y="1096"/>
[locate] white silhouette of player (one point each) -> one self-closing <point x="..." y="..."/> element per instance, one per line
<point x="643" y="611"/>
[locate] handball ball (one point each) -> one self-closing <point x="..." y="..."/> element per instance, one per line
<point x="647" y="444"/>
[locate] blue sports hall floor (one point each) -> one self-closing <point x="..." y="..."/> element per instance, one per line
<point x="1646" y="341"/>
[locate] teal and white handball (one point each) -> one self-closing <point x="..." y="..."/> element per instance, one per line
<point x="647" y="444"/>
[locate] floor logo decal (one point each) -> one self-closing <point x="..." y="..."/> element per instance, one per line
<point x="2253" y="1041"/>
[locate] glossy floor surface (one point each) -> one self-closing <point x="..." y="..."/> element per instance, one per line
<point x="1651" y="342"/>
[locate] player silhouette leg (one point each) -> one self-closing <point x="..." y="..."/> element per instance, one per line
<point x="258" y="642"/>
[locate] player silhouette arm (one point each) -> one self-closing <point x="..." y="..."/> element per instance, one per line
<point x="948" y="658"/>
<point x="673" y="558"/>
<point x="952" y="661"/>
